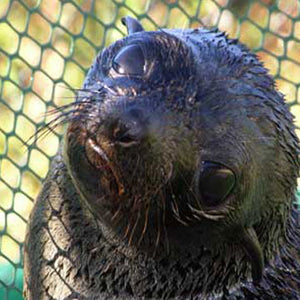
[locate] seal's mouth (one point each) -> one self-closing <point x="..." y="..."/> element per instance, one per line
<point x="99" y="158"/>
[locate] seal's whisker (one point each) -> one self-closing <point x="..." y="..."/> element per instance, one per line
<point x="75" y="89"/>
<point x="48" y="127"/>
<point x="60" y="119"/>
<point x="146" y="218"/>
<point x="130" y="220"/>
<point x="64" y="116"/>
<point x="127" y="229"/>
<point x="134" y="228"/>
<point x="173" y="199"/>
<point x="175" y="208"/>
<point x="190" y="188"/>
<point x="212" y="215"/>
<point x="136" y="168"/>
<point x="158" y="230"/>
<point x="163" y="201"/>
<point x="115" y="215"/>
<point x="60" y="110"/>
<point x="75" y="97"/>
<point x="174" y="205"/>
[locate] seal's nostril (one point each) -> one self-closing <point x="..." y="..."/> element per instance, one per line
<point x="129" y="129"/>
<point x="123" y="133"/>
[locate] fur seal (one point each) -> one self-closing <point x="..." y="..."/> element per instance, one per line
<point x="176" y="178"/>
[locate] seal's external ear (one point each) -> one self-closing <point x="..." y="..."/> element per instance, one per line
<point x="132" y="25"/>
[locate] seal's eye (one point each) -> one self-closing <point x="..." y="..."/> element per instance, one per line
<point x="215" y="183"/>
<point x="129" y="61"/>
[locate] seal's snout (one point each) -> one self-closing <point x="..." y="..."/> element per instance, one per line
<point x="129" y="128"/>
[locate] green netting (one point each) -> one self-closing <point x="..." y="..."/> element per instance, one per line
<point x="46" y="48"/>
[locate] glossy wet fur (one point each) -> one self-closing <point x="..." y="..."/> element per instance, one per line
<point x="201" y="101"/>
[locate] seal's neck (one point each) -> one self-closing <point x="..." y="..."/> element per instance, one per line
<point x="276" y="234"/>
<point x="207" y="273"/>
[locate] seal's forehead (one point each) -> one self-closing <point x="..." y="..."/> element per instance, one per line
<point x="134" y="26"/>
<point x="197" y="40"/>
<point x="154" y="44"/>
<point x="156" y="37"/>
<point x="200" y="39"/>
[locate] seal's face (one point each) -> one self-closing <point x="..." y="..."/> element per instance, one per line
<point x="134" y="131"/>
<point x="163" y="143"/>
<point x="140" y="143"/>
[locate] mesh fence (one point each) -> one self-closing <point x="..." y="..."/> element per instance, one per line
<point x="46" y="47"/>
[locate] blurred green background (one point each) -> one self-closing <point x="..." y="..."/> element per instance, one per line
<point x="47" y="46"/>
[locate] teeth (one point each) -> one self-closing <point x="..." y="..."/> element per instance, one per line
<point x="109" y="165"/>
<point x="98" y="150"/>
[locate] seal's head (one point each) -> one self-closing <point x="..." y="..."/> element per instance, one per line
<point x="179" y="143"/>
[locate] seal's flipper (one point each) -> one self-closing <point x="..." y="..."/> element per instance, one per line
<point x="132" y="25"/>
<point x="252" y="247"/>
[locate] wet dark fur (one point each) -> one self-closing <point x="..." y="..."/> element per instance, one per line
<point x="132" y="227"/>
